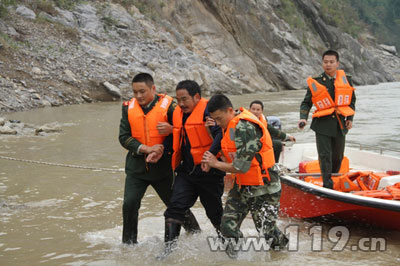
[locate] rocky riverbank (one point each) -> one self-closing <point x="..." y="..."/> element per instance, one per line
<point x="51" y="57"/>
<point x="18" y="128"/>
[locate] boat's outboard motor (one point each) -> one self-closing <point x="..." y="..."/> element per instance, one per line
<point x="274" y="121"/>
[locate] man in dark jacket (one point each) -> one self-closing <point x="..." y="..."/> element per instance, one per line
<point x="192" y="137"/>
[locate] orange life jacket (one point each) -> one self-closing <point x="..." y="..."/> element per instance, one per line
<point x="258" y="170"/>
<point x="144" y="126"/>
<point x="380" y="194"/>
<point x="394" y="191"/>
<point x="354" y="181"/>
<point x="323" y="100"/>
<point x="368" y="180"/>
<point x="313" y="166"/>
<point x="264" y="121"/>
<point x="390" y="193"/>
<point x="199" y="138"/>
<point x="344" y="183"/>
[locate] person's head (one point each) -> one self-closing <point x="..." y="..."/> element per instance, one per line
<point x="188" y="94"/>
<point x="330" y="62"/>
<point x="257" y="108"/>
<point x="144" y="89"/>
<point x="221" y="110"/>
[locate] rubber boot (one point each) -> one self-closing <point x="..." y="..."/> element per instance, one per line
<point x="279" y="240"/>
<point x="190" y="223"/>
<point x="232" y="249"/>
<point x="327" y="180"/>
<point x="219" y="234"/>
<point x="129" y="231"/>
<point x="172" y="230"/>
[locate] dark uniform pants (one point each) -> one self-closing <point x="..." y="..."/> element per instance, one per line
<point x="264" y="211"/>
<point x="330" y="155"/>
<point x="277" y="146"/>
<point x="186" y="190"/>
<point x="134" y="192"/>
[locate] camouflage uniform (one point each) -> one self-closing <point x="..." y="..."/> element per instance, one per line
<point x="261" y="201"/>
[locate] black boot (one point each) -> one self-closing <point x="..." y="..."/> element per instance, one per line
<point x="219" y="234"/>
<point x="279" y="240"/>
<point x="232" y="249"/>
<point x="129" y="231"/>
<point x="327" y="180"/>
<point x="190" y="223"/>
<point x="172" y="230"/>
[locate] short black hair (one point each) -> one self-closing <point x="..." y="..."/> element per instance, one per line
<point x="331" y="52"/>
<point x="143" y="77"/>
<point x="190" y="85"/>
<point x="257" y="102"/>
<point x="219" y="102"/>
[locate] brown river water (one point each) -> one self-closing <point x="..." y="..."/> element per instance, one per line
<point x="54" y="215"/>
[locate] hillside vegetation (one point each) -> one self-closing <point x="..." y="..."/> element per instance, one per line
<point x="380" y="17"/>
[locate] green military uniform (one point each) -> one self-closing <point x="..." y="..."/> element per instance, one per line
<point x="276" y="133"/>
<point x="261" y="201"/>
<point x="330" y="137"/>
<point x="277" y="138"/>
<point x="139" y="174"/>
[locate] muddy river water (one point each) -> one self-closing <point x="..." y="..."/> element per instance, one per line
<point x="67" y="216"/>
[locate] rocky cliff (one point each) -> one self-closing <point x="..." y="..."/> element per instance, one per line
<point x="51" y="56"/>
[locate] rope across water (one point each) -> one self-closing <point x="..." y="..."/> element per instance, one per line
<point x="62" y="165"/>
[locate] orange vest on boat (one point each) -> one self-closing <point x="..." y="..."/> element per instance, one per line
<point x="344" y="183"/>
<point x="313" y="166"/>
<point x="199" y="138"/>
<point x="144" y="126"/>
<point x="258" y="170"/>
<point x="354" y="181"/>
<point x="390" y="193"/>
<point x="380" y="194"/>
<point x="394" y="191"/>
<point x="368" y="180"/>
<point x="323" y="100"/>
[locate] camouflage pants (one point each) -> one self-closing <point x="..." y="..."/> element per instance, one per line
<point x="264" y="210"/>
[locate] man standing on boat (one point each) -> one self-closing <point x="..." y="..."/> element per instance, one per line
<point x="333" y="96"/>
<point x="247" y="147"/>
<point x="145" y="131"/>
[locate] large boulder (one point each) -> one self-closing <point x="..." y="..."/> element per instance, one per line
<point x="389" y="48"/>
<point x="88" y="20"/>
<point x="48" y="128"/>
<point x="118" y="15"/>
<point x="112" y="89"/>
<point x="25" y="12"/>
<point x="6" y="130"/>
<point x="66" y="18"/>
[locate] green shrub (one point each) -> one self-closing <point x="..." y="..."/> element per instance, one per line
<point x="109" y="21"/>
<point x="288" y="12"/>
<point x="3" y="7"/>
<point x="66" y="4"/>
<point x="8" y="42"/>
<point x="46" y="6"/>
